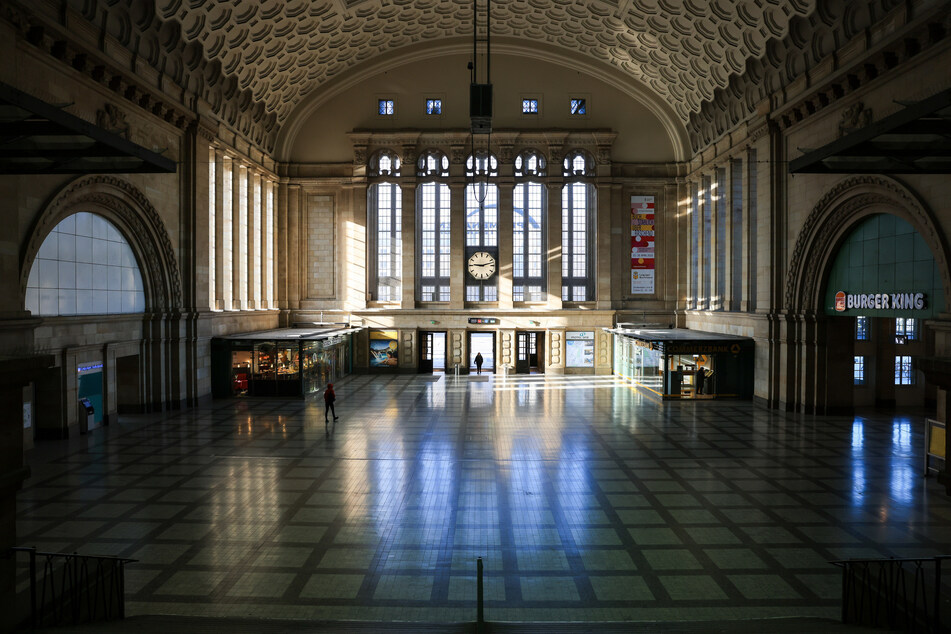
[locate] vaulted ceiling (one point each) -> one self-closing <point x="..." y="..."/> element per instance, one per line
<point x="282" y="50"/>
<point x="706" y="62"/>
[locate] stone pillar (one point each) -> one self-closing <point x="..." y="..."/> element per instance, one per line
<point x="293" y="247"/>
<point x="204" y="217"/>
<point x="252" y="179"/>
<point x="457" y="245"/>
<point x="603" y="352"/>
<point x="603" y="255"/>
<point x="505" y="350"/>
<point x="262" y="241"/>
<point x="555" y="351"/>
<point x="408" y="190"/>
<point x="237" y="275"/>
<point x="504" y="266"/>
<point x="218" y="299"/>
<point x="409" y="359"/>
<point x="457" y="344"/>
<point x="280" y="249"/>
<point x="553" y="244"/>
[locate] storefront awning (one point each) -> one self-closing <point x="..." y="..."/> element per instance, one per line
<point x="294" y="334"/>
<point x="40" y="138"/>
<point x="914" y="140"/>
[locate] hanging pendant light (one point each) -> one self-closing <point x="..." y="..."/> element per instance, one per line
<point x="479" y="166"/>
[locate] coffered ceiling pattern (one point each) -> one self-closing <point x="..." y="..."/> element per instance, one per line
<point x="283" y="50"/>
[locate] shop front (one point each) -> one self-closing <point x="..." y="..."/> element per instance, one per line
<point x="288" y="362"/>
<point x="677" y="363"/>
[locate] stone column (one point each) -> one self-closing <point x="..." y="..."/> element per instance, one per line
<point x="237" y="275"/>
<point x="504" y="265"/>
<point x="505" y="352"/>
<point x="218" y="299"/>
<point x="603" y="254"/>
<point x="409" y="360"/>
<point x="293" y="247"/>
<point x="458" y="352"/>
<point x="253" y="211"/>
<point x="457" y="245"/>
<point x="204" y="217"/>
<point x="408" y="190"/>
<point x="555" y="351"/>
<point x="553" y="244"/>
<point x="603" y="352"/>
<point x="280" y="246"/>
<point x="263" y="242"/>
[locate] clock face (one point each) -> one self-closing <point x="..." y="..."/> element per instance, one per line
<point x="481" y="265"/>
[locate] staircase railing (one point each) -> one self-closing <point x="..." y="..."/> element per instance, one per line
<point x="899" y="594"/>
<point x="68" y="589"/>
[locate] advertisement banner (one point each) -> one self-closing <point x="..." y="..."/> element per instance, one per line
<point x="642" y="245"/>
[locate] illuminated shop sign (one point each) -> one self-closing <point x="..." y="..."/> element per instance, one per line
<point x="879" y="301"/>
<point x="483" y="320"/>
<point x="89" y="368"/>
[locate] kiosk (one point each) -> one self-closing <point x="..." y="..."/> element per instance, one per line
<point x="676" y="363"/>
<point x="285" y="362"/>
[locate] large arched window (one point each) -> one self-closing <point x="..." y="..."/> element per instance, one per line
<point x="482" y="228"/>
<point x="577" y="229"/>
<point x="384" y="220"/>
<point x="85" y="267"/>
<point x="432" y="221"/>
<point x="529" y="226"/>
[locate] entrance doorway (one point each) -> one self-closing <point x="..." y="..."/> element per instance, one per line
<point x="528" y="351"/>
<point x="483" y="342"/>
<point x="432" y="352"/>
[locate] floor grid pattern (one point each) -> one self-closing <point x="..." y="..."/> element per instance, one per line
<point x="586" y="499"/>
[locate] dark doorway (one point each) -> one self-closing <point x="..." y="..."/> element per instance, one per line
<point x="528" y="351"/>
<point x="127" y="385"/>
<point x="432" y="352"/>
<point x="482" y="342"/>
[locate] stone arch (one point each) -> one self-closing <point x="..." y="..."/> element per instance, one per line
<point x="831" y="220"/>
<point x="130" y="211"/>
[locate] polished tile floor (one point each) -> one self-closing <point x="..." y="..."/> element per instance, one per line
<point x="587" y="501"/>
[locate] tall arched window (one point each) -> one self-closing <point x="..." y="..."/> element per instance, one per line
<point x="529" y="206"/>
<point x="384" y="218"/>
<point x="85" y="267"/>
<point x="577" y="229"/>
<point x="432" y="221"/>
<point x="482" y="228"/>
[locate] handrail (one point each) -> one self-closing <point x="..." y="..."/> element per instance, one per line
<point x="876" y="592"/>
<point x="76" y="593"/>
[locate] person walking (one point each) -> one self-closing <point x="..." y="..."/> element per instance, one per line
<point x="329" y="397"/>
<point x="478" y="362"/>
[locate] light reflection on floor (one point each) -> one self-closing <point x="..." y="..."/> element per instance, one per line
<point x="586" y="499"/>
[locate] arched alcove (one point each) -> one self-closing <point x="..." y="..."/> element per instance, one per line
<point x="130" y="212"/>
<point x="816" y="367"/>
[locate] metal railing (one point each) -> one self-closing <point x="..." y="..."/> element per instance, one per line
<point x="898" y="594"/>
<point x="75" y="588"/>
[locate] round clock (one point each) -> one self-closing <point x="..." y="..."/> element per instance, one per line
<point x="481" y="265"/>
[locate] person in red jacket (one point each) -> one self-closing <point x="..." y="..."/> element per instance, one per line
<point x="329" y="397"/>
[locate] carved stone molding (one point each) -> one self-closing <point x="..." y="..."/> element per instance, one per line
<point x="836" y="212"/>
<point x="140" y="224"/>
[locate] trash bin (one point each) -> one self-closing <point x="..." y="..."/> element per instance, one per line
<point x="87" y="415"/>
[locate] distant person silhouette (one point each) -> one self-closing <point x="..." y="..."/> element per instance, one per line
<point x="701" y="377"/>
<point x="329" y="397"/>
<point x="478" y="362"/>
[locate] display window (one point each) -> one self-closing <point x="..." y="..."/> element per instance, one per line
<point x="579" y="349"/>
<point x="288" y="362"/>
<point x="240" y="372"/>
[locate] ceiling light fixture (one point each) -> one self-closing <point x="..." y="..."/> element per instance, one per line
<point x="480" y="101"/>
